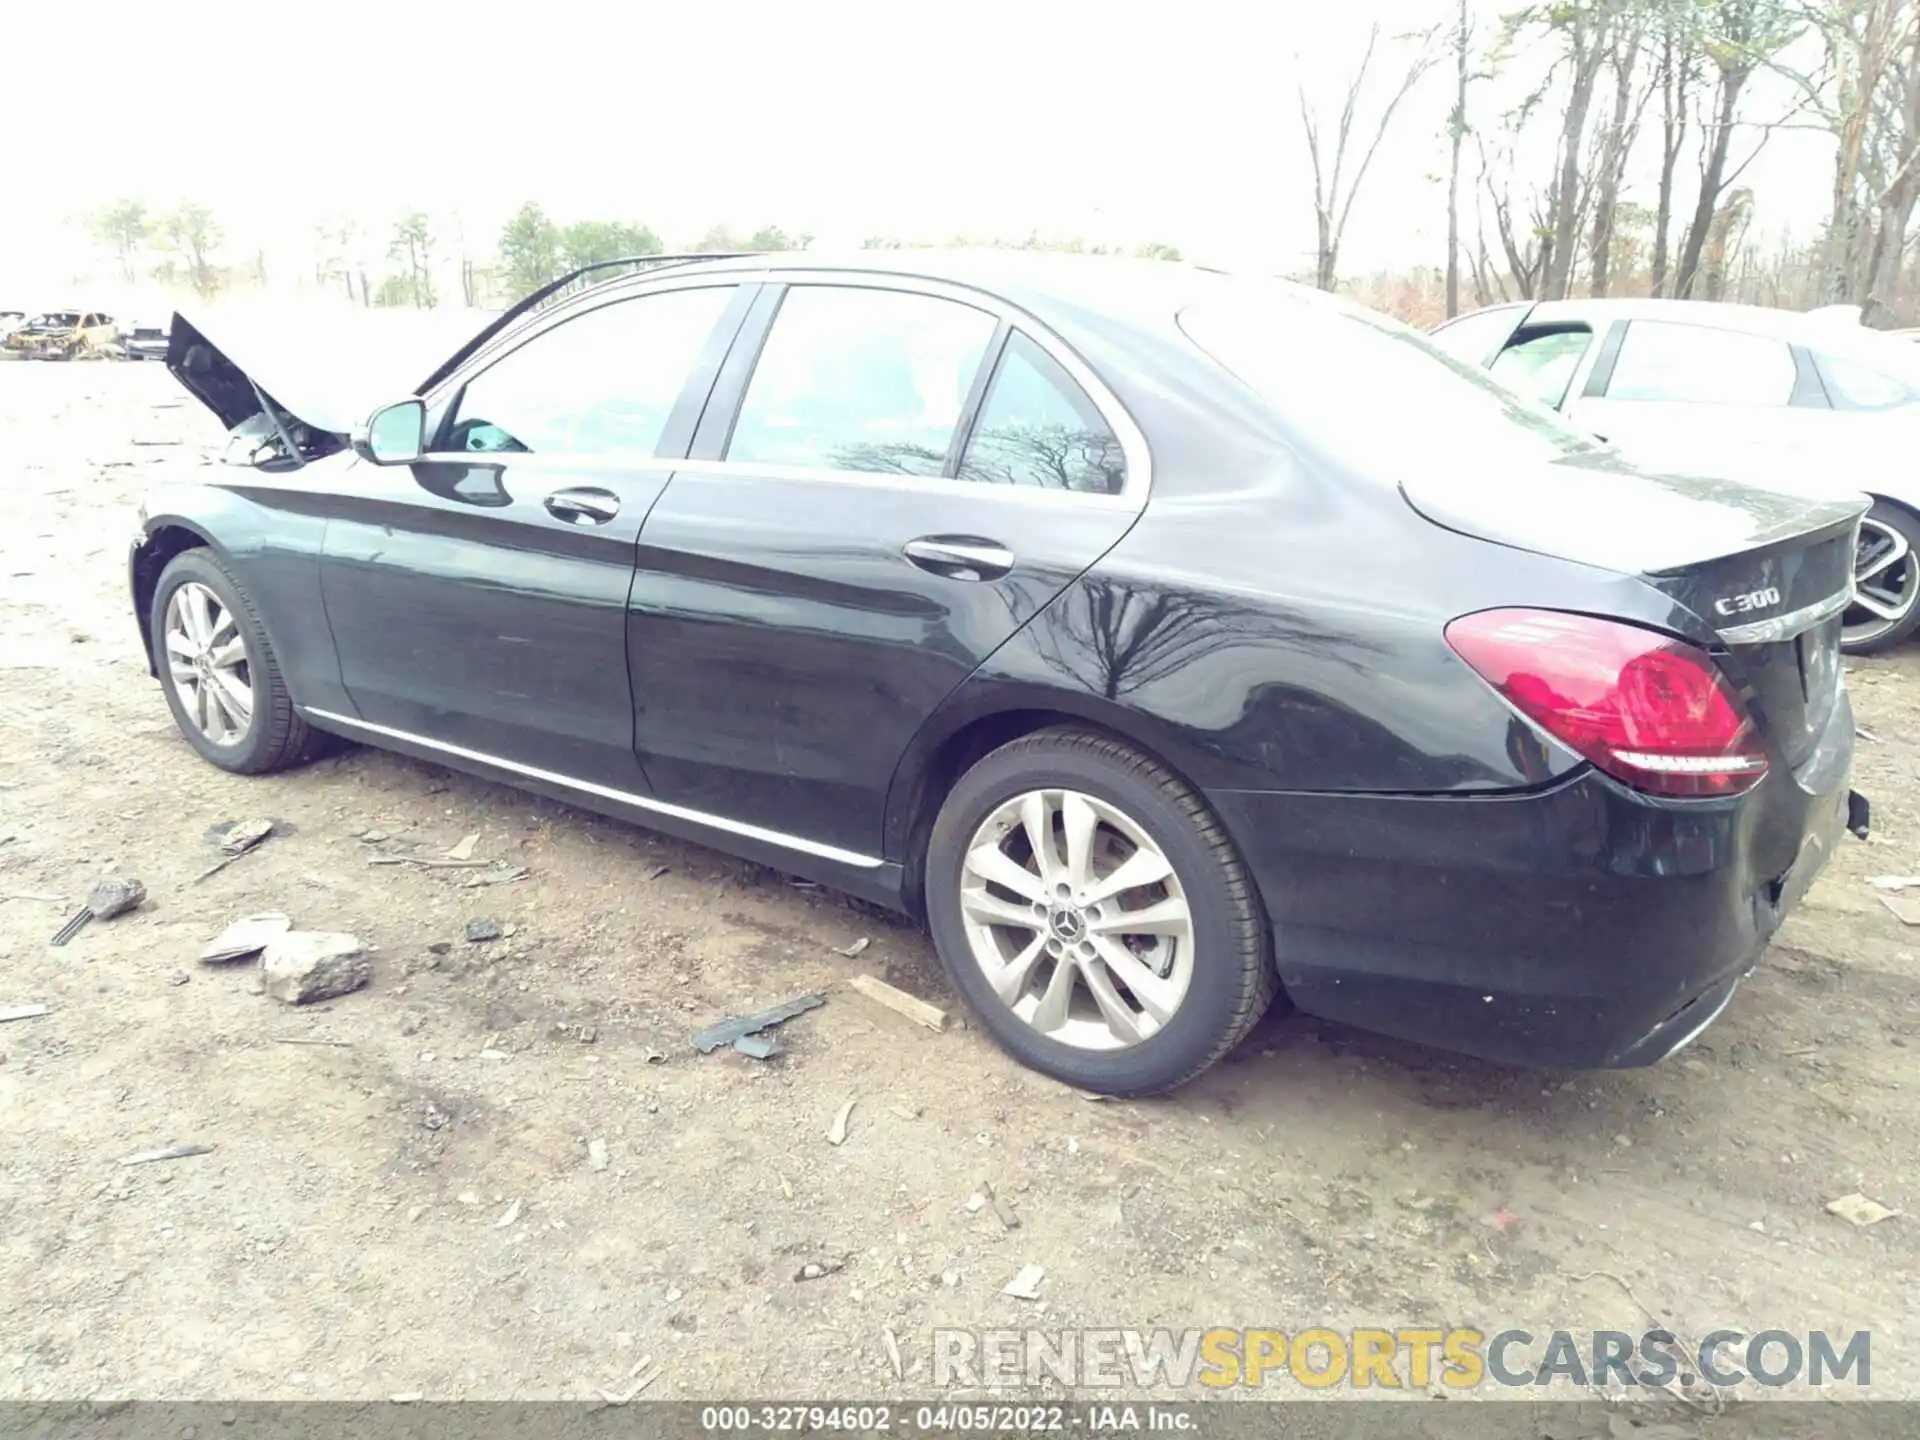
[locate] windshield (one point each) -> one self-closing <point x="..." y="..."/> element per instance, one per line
<point x="57" y="318"/>
<point x="1371" y="388"/>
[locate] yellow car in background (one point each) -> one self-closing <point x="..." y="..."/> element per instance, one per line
<point x="65" y="335"/>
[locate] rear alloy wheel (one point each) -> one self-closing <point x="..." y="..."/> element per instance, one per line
<point x="1886" y="581"/>
<point x="1088" y="905"/>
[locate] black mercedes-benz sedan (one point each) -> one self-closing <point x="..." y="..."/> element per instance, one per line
<point x="1168" y="640"/>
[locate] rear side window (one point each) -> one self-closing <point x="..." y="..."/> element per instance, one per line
<point x="603" y="383"/>
<point x="1540" y="364"/>
<point x="1038" y="428"/>
<point x="860" y="379"/>
<point x="1699" y="365"/>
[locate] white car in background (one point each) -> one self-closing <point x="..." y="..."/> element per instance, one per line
<point x="1807" y="402"/>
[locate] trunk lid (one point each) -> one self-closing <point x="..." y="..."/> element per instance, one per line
<point x="1769" y="572"/>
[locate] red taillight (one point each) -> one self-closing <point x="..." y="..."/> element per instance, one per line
<point x="1649" y="710"/>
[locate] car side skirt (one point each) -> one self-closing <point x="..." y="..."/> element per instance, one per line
<point x="865" y="876"/>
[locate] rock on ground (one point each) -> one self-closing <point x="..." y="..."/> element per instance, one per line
<point x="302" y="966"/>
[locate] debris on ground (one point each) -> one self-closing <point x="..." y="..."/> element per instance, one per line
<point x="1003" y="1212"/>
<point x="1863" y="733"/>
<point x="1856" y="1209"/>
<point x="1026" y="1284"/>
<point x="464" y="850"/>
<point x="837" y="1132"/>
<point x="172" y="1152"/>
<point x="303" y="966"/>
<point x="235" y="838"/>
<point x="319" y="1040"/>
<point x="855" y="948"/>
<point x="508" y="1216"/>
<point x="480" y="931"/>
<point x="893" y="1353"/>
<point x="179" y="977"/>
<point x="621" y="1398"/>
<point x="22" y="1012"/>
<point x="658" y="871"/>
<point x="757" y="1047"/>
<point x="899" y="1001"/>
<point x="426" y="862"/>
<point x="1895" y="882"/>
<point x="597" y="1154"/>
<point x="497" y="874"/>
<point x="1908" y="911"/>
<point x="35" y="896"/>
<point x="816" y="1269"/>
<point x="108" y="899"/>
<point x="245" y="937"/>
<point x="725" y="1032"/>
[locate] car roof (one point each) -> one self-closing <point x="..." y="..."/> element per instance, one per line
<point x="1790" y="325"/>
<point x="1043" y="282"/>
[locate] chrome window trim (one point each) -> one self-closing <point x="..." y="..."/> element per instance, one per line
<point x="607" y="792"/>
<point x="913" y="484"/>
<point x="1785" y="627"/>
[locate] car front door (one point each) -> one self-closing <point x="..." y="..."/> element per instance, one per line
<point x="892" y="477"/>
<point x="478" y="598"/>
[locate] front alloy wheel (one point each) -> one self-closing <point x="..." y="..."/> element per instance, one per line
<point x="207" y="663"/>
<point x="1886" y="581"/>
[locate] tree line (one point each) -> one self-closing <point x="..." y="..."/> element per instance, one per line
<point x="412" y="263"/>
<point x="1589" y="147"/>
<point x="1672" y="84"/>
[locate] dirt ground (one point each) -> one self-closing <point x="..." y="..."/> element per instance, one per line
<point x="413" y="1208"/>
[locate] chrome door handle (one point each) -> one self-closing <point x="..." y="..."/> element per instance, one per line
<point x="961" y="557"/>
<point x="583" y="505"/>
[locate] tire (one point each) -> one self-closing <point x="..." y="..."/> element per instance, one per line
<point x="273" y="737"/>
<point x="1221" y="963"/>
<point x="1864" y="632"/>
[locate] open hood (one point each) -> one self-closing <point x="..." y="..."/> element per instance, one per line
<point x="214" y="378"/>
<point x="326" y="368"/>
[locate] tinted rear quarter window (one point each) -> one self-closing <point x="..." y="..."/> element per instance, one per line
<point x="1037" y="427"/>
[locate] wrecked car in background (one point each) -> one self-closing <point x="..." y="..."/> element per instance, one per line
<point x="65" y="335"/>
<point x="144" y="342"/>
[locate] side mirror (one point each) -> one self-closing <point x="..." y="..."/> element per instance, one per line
<point x="393" y="434"/>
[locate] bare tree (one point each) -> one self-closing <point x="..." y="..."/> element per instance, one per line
<point x="1616" y="143"/>
<point x="1456" y="135"/>
<point x="1334" y="187"/>
<point x="1736" y="36"/>
<point x="1677" y="70"/>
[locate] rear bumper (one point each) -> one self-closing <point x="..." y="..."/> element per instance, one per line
<point x="1582" y="926"/>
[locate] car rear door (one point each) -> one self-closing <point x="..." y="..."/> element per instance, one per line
<point x="478" y="598"/>
<point x="892" y="477"/>
<point x="1680" y="395"/>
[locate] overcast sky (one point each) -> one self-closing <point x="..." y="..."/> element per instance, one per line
<point x="1176" y="122"/>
